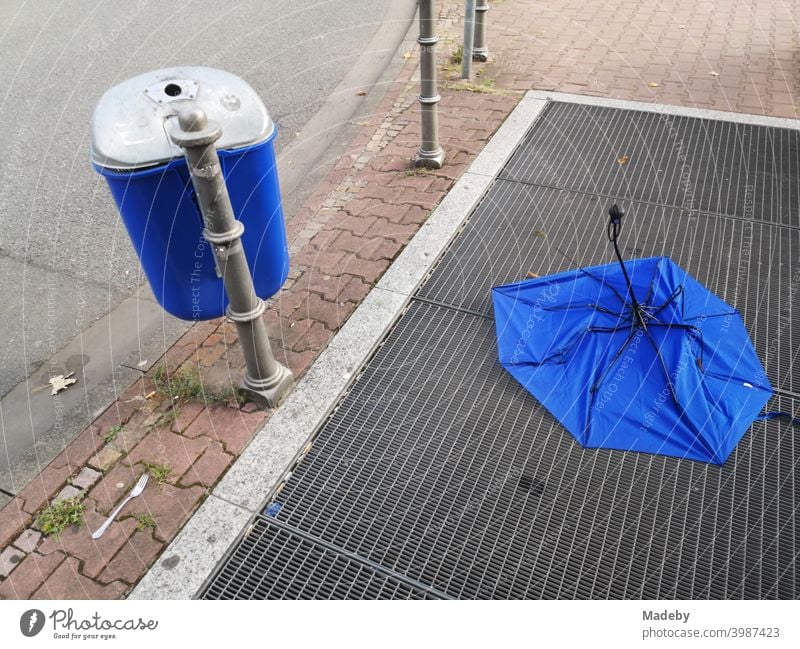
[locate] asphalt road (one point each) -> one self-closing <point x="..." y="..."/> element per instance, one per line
<point x="65" y="258"/>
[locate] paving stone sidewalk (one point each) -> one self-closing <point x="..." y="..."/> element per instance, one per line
<point x="729" y="55"/>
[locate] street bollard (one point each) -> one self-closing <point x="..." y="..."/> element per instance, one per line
<point x="430" y="153"/>
<point x="479" y="50"/>
<point x="265" y="380"/>
<point x="469" y="36"/>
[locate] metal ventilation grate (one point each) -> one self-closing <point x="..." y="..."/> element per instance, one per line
<point x="440" y="467"/>
<point x="438" y="475"/>
<point x="707" y="165"/>
<point x="272" y="562"/>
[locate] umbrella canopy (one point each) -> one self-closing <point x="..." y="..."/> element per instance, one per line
<point x="635" y="356"/>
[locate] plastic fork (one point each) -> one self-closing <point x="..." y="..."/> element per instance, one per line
<point x="136" y="491"/>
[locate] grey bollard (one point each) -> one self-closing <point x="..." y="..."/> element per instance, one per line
<point x="430" y="153"/>
<point x="479" y="50"/>
<point x="469" y="37"/>
<point x="265" y="380"/>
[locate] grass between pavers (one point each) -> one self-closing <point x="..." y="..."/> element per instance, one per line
<point x="60" y="515"/>
<point x="159" y="472"/>
<point x="182" y="385"/>
<point x="145" y="521"/>
<point x="185" y="384"/>
<point x="112" y="433"/>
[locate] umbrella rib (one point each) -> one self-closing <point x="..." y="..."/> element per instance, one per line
<point x="596" y="307"/>
<point x="586" y="272"/>
<point x="674" y="296"/>
<point x="604" y="283"/>
<point x="621" y="349"/>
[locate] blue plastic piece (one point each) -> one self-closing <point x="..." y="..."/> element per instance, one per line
<point x="560" y="336"/>
<point x="273" y="509"/>
<point x="163" y="220"/>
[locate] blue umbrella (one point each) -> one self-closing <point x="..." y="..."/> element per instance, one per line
<point x="634" y="356"/>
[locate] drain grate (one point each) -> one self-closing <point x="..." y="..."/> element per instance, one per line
<point x="275" y="563"/>
<point x="707" y="165"/>
<point x="438" y="475"/>
<point x="520" y="228"/>
<point x="440" y="467"/>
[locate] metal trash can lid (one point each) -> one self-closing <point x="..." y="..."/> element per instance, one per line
<point x="130" y="123"/>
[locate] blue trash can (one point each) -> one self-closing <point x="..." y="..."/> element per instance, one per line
<point x="150" y="182"/>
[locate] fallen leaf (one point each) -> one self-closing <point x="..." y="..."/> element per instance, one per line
<point x="540" y="233"/>
<point x="653" y="84"/>
<point x="407" y="55"/>
<point x="715" y="74"/>
<point x="623" y="159"/>
<point x="61" y="382"/>
<point x="361" y="93"/>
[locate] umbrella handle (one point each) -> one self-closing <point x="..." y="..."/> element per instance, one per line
<point x="614" y="225"/>
<point x="615" y="222"/>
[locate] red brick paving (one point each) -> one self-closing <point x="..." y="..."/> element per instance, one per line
<point x="738" y="55"/>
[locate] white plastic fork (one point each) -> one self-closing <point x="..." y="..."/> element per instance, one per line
<point x="136" y="491"/>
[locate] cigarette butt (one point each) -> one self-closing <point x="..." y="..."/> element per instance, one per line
<point x="532" y="275"/>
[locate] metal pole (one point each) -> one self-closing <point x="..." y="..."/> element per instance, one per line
<point x="265" y="379"/>
<point x="469" y="35"/>
<point x="430" y="153"/>
<point x="479" y="50"/>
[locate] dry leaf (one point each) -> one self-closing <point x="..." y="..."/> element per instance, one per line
<point x="623" y="159"/>
<point x="61" y="382"/>
<point x="540" y="233"/>
<point x="361" y="93"/>
<point x="653" y="84"/>
<point x="715" y="74"/>
<point x="407" y="55"/>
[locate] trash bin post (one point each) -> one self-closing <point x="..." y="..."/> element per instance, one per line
<point x="265" y="379"/>
<point x="430" y="153"/>
<point x="479" y="50"/>
<point x="469" y="37"/>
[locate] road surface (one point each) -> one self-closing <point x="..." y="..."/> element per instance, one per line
<point x="65" y="259"/>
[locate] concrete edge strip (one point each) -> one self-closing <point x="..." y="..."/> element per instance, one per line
<point x="679" y="111"/>
<point x="195" y="552"/>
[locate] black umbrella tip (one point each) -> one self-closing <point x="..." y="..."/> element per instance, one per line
<point x="616" y="212"/>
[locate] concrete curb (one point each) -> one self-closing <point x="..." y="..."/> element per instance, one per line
<point x="197" y="549"/>
<point x="668" y="109"/>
